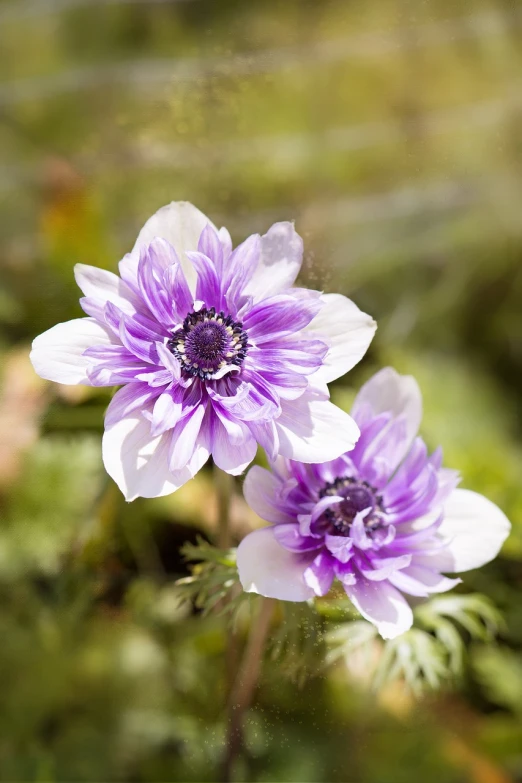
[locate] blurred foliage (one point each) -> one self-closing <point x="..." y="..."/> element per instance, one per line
<point x="429" y="656"/>
<point x="389" y="131"/>
<point x="213" y="585"/>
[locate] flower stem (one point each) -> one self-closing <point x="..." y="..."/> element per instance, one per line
<point x="245" y="683"/>
<point x="224" y="483"/>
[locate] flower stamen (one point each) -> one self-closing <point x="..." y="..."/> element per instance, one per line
<point x="358" y="496"/>
<point x="207" y="342"/>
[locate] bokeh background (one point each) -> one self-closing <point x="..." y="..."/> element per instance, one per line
<point x="391" y="132"/>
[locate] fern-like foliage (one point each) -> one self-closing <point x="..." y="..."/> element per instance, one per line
<point x="297" y="644"/>
<point x="313" y="635"/>
<point x="213" y="585"/>
<point x="446" y="616"/>
<point x="428" y="656"/>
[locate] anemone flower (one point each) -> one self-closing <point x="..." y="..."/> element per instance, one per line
<point x="385" y="519"/>
<point x="215" y="351"/>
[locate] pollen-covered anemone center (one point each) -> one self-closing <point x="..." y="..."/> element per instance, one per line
<point x="358" y="496"/>
<point x="208" y="342"/>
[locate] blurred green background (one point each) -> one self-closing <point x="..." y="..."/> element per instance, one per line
<point x="390" y="131"/>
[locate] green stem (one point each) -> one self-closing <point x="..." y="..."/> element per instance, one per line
<point x="224" y="483"/>
<point x="245" y="684"/>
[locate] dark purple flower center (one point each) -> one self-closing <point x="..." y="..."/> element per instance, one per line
<point x="358" y="496"/>
<point x="208" y="342"/>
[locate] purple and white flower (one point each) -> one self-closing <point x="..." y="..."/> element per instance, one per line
<point x="215" y="351"/>
<point x="385" y="519"/>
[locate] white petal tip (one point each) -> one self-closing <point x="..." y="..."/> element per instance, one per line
<point x="266" y="568"/>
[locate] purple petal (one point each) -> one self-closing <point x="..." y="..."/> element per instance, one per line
<point x="323" y="505"/>
<point x="250" y="400"/>
<point x="154" y="261"/>
<point x="385" y="452"/>
<point x="430" y="579"/>
<point x="240" y="268"/>
<point x="237" y="432"/>
<point x="345" y="573"/>
<point x="409" y="585"/>
<point x="139" y="340"/>
<point x="181" y="224"/>
<point x="320" y="573"/>
<point x="93" y="307"/>
<point x="279" y="315"/>
<point x="262" y="491"/>
<point x="167" y="411"/>
<point x="382" y="605"/>
<point x="389" y="392"/>
<point x="284" y="360"/>
<point x="139" y="463"/>
<point x="288" y="535"/>
<point x="208" y="288"/>
<point x="100" y="286"/>
<point x="377" y="569"/>
<point x="398" y="489"/>
<point x="265" y="433"/>
<point x="178" y="292"/>
<point x="232" y="459"/>
<point x="226" y="243"/>
<point x="132" y="397"/>
<point x="340" y="547"/>
<point x="106" y="375"/>
<point x="156" y="378"/>
<point x="210" y="246"/>
<point x="169" y="361"/>
<point x="279" y="263"/>
<point x="359" y="534"/>
<point x="183" y="438"/>
<point x="267" y="568"/>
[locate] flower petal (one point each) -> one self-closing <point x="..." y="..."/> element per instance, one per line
<point x="379" y="569"/>
<point x="279" y="263"/>
<point x="474" y="529"/>
<point x="382" y="605"/>
<point x="169" y="361"/>
<point x="99" y="284"/>
<point x="130" y="397"/>
<point x="181" y="224"/>
<point x="289" y="536"/>
<point x="155" y="260"/>
<point x="267" y="436"/>
<point x="240" y="268"/>
<point x="58" y="354"/>
<point x="167" y="410"/>
<point x="208" y="286"/>
<point x="279" y="316"/>
<point x="421" y="581"/>
<point x="313" y="430"/>
<point x="389" y="392"/>
<point x="184" y="437"/>
<point x="340" y="546"/>
<point x="176" y="285"/>
<point x="262" y="490"/>
<point x="138" y="339"/>
<point x="139" y="463"/>
<point x="229" y="457"/>
<point x="210" y="245"/>
<point x="268" y="569"/>
<point x="320" y="573"/>
<point x="347" y="331"/>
